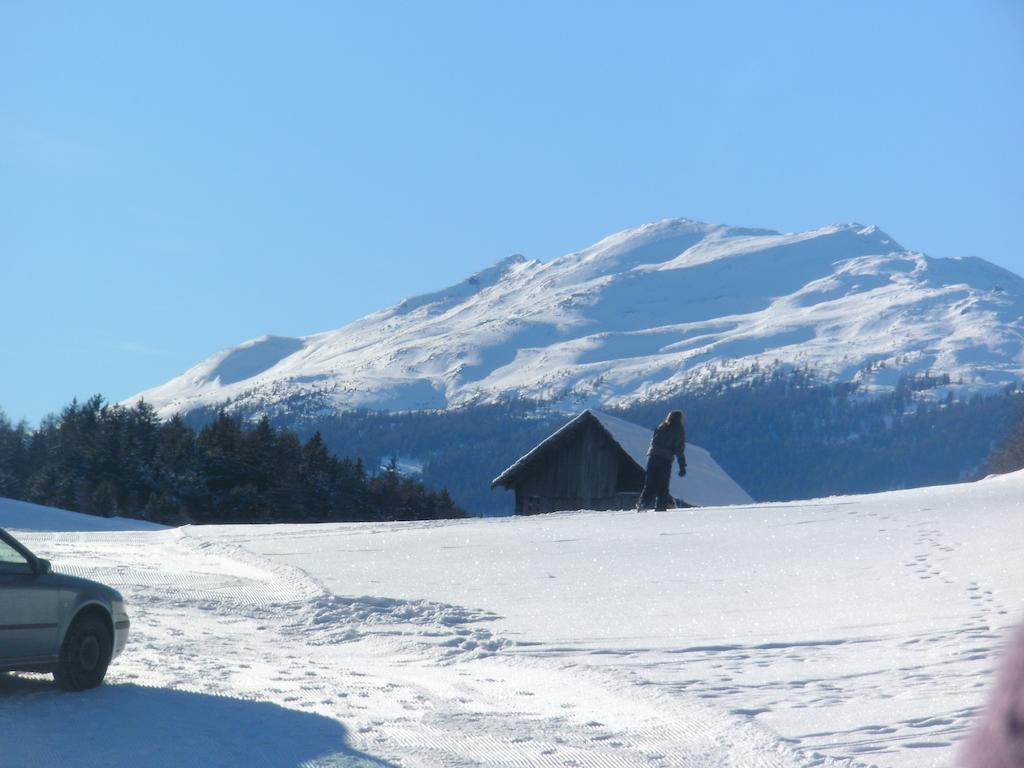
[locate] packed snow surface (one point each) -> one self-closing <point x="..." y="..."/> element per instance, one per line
<point x="849" y="631"/>
<point x="23" y="514"/>
<point x="641" y="314"/>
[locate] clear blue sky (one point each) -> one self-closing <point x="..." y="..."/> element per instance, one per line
<point x="176" y="178"/>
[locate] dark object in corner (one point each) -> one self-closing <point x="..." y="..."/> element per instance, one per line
<point x="997" y="740"/>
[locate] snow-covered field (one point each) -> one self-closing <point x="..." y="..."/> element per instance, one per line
<point x="843" y="631"/>
<point x="25" y="515"/>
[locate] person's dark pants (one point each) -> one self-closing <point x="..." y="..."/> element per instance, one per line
<point x="659" y="472"/>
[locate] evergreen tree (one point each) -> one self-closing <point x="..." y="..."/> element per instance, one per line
<point x="110" y="460"/>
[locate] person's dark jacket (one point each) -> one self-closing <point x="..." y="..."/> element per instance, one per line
<point x="669" y="442"/>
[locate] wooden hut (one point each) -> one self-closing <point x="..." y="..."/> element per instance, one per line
<point x="597" y="461"/>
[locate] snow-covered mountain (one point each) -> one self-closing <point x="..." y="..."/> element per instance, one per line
<point x="642" y="314"/>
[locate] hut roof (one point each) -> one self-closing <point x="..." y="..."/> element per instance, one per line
<point x="705" y="484"/>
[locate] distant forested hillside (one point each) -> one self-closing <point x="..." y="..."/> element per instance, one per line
<point x="109" y="460"/>
<point x="1009" y="454"/>
<point x="782" y="436"/>
<point x="790" y="437"/>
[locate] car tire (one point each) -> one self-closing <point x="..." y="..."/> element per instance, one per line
<point x="84" y="655"/>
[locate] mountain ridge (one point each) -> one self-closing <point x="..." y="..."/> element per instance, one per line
<point x="641" y="313"/>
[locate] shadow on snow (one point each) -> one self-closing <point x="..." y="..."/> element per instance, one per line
<point x="129" y="724"/>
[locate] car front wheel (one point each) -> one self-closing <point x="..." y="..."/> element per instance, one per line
<point x="85" y="655"/>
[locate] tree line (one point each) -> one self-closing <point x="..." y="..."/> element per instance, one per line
<point x="461" y="449"/>
<point x="781" y="434"/>
<point x="109" y="460"/>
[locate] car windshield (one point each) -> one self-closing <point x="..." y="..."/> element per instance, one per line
<point x="11" y="560"/>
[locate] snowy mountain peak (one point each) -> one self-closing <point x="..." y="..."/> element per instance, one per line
<point x="640" y="314"/>
<point x="472" y="285"/>
<point x="882" y="237"/>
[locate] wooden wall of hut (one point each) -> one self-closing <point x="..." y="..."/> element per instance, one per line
<point x="583" y="470"/>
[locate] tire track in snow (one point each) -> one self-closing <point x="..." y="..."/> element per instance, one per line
<point x="635" y="730"/>
<point x="418" y="682"/>
<point x="483" y="729"/>
<point x="315" y="616"/>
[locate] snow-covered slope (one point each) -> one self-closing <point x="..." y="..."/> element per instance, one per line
<point x="23" y="515"/>
<point x="640" y="314"/>
<point x="850" y="631"/>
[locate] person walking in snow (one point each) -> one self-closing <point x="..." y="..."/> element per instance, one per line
<point x="668" y="442"/>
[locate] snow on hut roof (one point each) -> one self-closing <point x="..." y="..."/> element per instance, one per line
<point x="705" y="484"/>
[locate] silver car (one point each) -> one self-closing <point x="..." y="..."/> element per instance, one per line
<point x="50" y="622"/>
